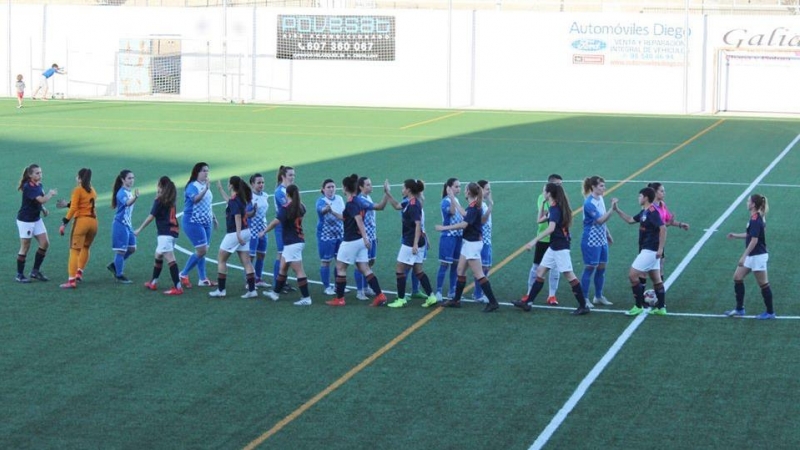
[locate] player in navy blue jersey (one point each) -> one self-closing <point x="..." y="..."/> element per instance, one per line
<point x="123" y="240"/>
<point x="450" y="240"/>
<point x="290" y="221"/>
<point x="285" y="177"/>
<point x="163" y="212"/>
<point x="371" y="226"/>
<point x="237" y="238"/>
<point x="413" y="242"/>
<point x="557" y="257"/>
<point x="355" y="246"/>
<point x="487" y="204"/>
<point x="470" y="254"/>
<point x="330" y="231"/>
<point x="652" y="237"/>
<point x="30" y="223"/>
<point x="754" y="259"/>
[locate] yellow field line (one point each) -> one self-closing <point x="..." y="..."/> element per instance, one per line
<point x="268" y="108"/>
<point x="435" y="119"/>
<point x="343" y="379"/>
<point x="355" y="370"/>
<point x="630" y="177"/>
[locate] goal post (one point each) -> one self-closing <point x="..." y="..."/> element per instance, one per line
<point x="159" y="68"/>
<point x="757" y="81"/>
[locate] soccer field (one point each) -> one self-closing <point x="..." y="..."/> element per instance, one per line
<point x="118" y="366"/>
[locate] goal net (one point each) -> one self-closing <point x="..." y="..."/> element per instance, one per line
<point x="758" y="81"/>
<point x="153" y="68"/>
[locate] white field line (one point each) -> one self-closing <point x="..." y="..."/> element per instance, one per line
<point x="584" y="385"/>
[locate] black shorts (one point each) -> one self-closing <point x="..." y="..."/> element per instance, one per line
<point x="538" y="253"/>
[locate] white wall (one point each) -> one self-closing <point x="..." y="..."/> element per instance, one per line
<point x="482" y="59"/>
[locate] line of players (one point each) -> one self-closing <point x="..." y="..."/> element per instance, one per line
<point x="346" y="231"/>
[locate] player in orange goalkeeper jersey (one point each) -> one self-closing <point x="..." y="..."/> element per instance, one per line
<point x="82" y="209"/>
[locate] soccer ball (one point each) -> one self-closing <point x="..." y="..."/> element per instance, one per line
<point x="650" y="297"/>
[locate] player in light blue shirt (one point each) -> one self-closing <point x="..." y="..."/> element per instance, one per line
<point x="330" y="230"/>
<point x="123" y="239"/>
<point x="197" y="221"/>
<point x="258" y="223"/>
<point x="450" y="240"/>
<point x="595" y="239"/>
<point x="43" y="83"/>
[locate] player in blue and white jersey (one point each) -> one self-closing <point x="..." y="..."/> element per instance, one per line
<point x="285" y="178"/>
<point x="198" y="220"/>
<point x="652" y="237"/>
<point x="258" y="223"/>
<point x="595" y="239"/>
<point x="123" y="239"/>
<point x="450" y="240"/>
<point x="29" y="222"/>
<point x="355" y="246"/>
<point x="470" y="255"/>
<point x="754" y="259"/>
<point x="557" y="256"/>
<point x="486" y="231"/>
<point x="330" y="230"/>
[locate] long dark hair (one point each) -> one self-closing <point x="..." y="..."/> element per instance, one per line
<point x="447" y="184"/>
<point x="350" y="184"/>
<point x="26" y="175"/>
<point x="241" y="188"/>
<point x="282" y="170"/>
<point x="168" y="191"/>
<point x="195" y="171"/>
<point x="85" y="175"/>
<point x="117" y="185"/>
<point x="560" y="197"/>
<point x="414" y="186"/>
<point x="295" y="209"/>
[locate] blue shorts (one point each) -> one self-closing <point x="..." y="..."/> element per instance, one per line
<point x="258" y="244"/>
<point x="122" y="237"/>
<point x="593" y="256"/>
<point x="279" y="238"/>
<point x="199" y="235"/>
<point x="373" y="249"/>
<point x="449" y="248"/>
<point x="328" y="249"/>
<point x="486" y="255"/>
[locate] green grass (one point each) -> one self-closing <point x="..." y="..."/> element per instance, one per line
<point x="117" y="366"/>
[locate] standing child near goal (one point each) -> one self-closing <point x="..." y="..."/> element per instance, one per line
<point x="43" y="83"/>
<point x="20" y="90"/>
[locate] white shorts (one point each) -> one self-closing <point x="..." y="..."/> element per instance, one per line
<point x="471" y="249"/>
<point x="757" y="263"/>
<point x="165" y="244"/>
<point x="646" y="261"/>
<point x="42" y="81"/>
<point x="28" y="230"/>
<point x="406" y="257"/>
<point x="293" y="252"/>
<point x="231" y="245"/>
<point x="558" y="260"/>
<point x="353" y="252"/>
